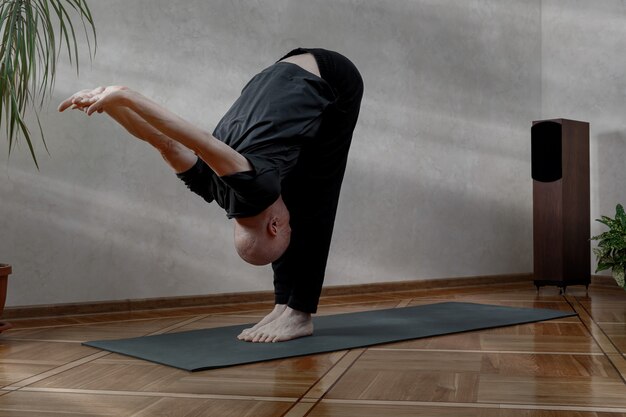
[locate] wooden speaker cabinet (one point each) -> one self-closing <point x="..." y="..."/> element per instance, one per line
<point x="561" y="212"/>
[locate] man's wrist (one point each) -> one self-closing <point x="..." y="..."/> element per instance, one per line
<point x="127" y="97"/>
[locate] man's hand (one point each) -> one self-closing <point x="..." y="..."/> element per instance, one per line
<point x="91" y="101"/>
<point x="149" y="121"/>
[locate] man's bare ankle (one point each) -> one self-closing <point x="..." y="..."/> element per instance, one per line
<point x="297" y="313"/>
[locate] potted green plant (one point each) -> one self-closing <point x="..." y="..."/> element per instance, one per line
<point x="30" y="31"/>
<point x="611" y="250"/>
<point x="32" y="34"/>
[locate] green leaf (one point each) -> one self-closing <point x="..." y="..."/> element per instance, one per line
<point x="620" y="215"/>
<point x="611" y="249"/>
<point x="28" y="56"/>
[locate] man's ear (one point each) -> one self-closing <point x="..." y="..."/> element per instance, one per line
<point x="273" y="226"/>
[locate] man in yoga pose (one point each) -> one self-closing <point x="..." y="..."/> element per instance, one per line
<point x="275" y="163"/>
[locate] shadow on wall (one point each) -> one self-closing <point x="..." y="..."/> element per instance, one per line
<point x="115" y="233"/>
<point x="610" y="174"/>
<point x="457" y="63"/>
<point x="413" y="227"/>
<point x="608" y="179"/>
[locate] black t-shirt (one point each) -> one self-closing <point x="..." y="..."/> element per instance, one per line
<point x="278" y="112"/>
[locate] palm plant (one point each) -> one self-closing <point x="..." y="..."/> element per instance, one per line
<point x="611" y="250"/>
<point x="30" y="31"/>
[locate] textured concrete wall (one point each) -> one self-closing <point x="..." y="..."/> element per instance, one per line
<point x="438" y="182"/>
<point x="584" y="78"/>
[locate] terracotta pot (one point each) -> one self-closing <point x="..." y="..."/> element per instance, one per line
<point x="5" y="271"/>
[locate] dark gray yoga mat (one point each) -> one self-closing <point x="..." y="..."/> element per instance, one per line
<point x="199" y="350"/>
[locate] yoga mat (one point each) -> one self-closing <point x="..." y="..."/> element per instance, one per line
<point x="199" y="350"/>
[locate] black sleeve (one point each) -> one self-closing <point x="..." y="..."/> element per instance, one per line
<point x="254" y="191"/>
<point x="198" y="179"/>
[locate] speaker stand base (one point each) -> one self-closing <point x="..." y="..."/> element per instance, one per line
<point x="561" y="284"/>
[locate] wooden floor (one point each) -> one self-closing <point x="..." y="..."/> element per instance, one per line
<point x="561" y="368"/>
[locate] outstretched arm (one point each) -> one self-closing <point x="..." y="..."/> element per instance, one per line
<point x="125" y="105"/>
<point x="176" y="155"/>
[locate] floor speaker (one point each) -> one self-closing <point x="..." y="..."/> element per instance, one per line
<point x="561" y="212"/>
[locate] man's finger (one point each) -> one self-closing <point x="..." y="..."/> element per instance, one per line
<point x="95" y="107"/>
<point x="74" y="97"/>
<point x="78" y="100"/>
<point x="66" y="103"/>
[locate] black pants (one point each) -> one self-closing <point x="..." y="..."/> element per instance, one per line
<point x="311" y="192"/>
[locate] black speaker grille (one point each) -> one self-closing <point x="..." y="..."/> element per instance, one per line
<point x="546" y="151"/>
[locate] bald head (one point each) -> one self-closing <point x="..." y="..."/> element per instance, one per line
<point x="263" y="238"/>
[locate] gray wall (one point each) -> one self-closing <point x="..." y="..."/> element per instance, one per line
<point x="584" y="78"/>
<point x="438" y="182"/>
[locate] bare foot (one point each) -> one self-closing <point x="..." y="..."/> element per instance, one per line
<point x="278" y="310"/>
<point x="291" y="324"/>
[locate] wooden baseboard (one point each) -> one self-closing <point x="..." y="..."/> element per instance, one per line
<point x="117" y="306"/>
<point x="428" y="284"/>
<point x="603" y="280"/>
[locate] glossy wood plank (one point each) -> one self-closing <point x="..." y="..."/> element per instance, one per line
<point x="619" y="362"/>
<point x="617" y="333"/>
<point x="96" y="331"/>
<point x="331" y="377"/>
<point x="598" y="293"/>
<point x="281" y="378"/>
<point x="329" y="409"/>
<point x="594" y="329"/>
<point x="581" y="391"/>
<point x="55" y="371"/>
<point x="534" y="337"/>
<point x="21" y="360"/>
<point x="299" y="410"/>
<point x="477" y="377"/>
<point x="608" y="313"/>
<point x="185" y="407"/>
<point x="33" y="404"/>
<point x="12" y="373"/>
<point x="27" y="404"/>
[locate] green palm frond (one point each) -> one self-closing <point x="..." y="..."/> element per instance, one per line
<point x="32" y="34"/>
